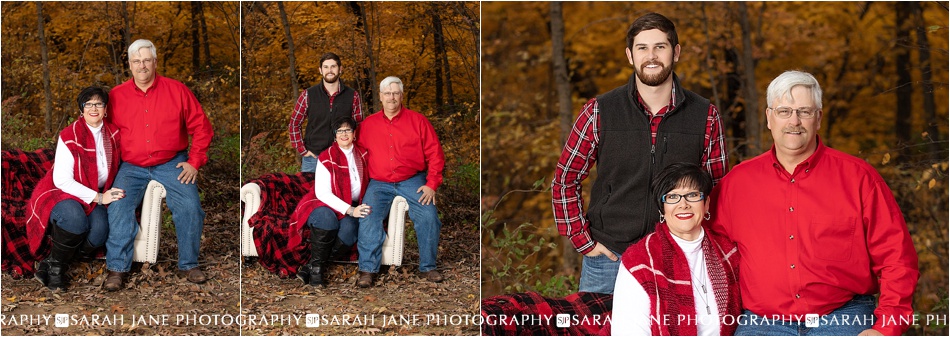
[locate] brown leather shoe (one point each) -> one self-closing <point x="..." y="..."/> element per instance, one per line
<point x="432" y="276"/>
<point x="366" y="279"/>
<point x="194" y="275"/>
<point x="114" y="281"/>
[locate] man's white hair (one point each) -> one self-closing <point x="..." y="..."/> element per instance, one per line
<point x="390" y="80"/>
<point x="781" y="86"/>
<point x="142" y="43"/>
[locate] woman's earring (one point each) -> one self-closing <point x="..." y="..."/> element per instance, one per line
<point x="662" y="219"/>
<point x="105" y="115"/>
<point x="707" y="216"/>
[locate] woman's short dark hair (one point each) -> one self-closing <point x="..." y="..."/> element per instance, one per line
<point x="89" y="93"/>
<point x="679" y="175"/>
<point x="337" y="123"/>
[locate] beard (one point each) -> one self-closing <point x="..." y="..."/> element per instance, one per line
<point x="328" y="79"/>
<point x="656" y="79"/>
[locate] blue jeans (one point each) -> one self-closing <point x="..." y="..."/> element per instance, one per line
<point x="324" y="218"/>
<point x="425" y="218"/>
<point x="308" y="164"/>
<point x="70" y="216"/>
<point x="848" y="320"/>
<point x="599" y="273"/>
<point x="182" y="201"/>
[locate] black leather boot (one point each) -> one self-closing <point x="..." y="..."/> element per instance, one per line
<point x="321" y="244"/>
<point x="340" y="250"/>
<point x="56" y="264"/>
<point x="87" y="249"/>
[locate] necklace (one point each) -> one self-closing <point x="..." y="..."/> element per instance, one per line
<point x="702" y="276"/>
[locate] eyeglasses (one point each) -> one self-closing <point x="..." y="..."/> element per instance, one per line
<point x="344" y="131"/>
<point x="803" y="113"/>
<point x="98" y="105"/>
<point x="140" y="62"/>
<point x="673" y="198"/>
<point x="392" y="93"/>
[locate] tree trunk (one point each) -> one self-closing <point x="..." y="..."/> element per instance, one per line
<point x="371" y="72"/>
<point x="437" y="51"/>
<point x="753" y="129"/>
<point x="195" y="41"/>
<point x="44" y="53"/>
<point x="710" y="63"/>
<point x="204" y="34"/>
<point x="290" y="49"/>
<point x="905" y="87"/>
<point x="562" y="82"/>
<point x="929" y="108"/>
<point x="247" y="101"/>
<point x="127" y="32"/>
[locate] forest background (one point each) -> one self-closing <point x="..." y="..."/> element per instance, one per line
<point x="50" y="51"/>
<point x="433" y="47"/>
<point x="883" y="67"/>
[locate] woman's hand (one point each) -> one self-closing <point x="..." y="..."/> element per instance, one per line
<point x="361" y="211"/>
<point x="111" y="195"/>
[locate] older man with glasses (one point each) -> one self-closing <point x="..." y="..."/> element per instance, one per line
<point x="405" y="159"/>
<point x="155" y="116"/>
<point x="818" y="230"/>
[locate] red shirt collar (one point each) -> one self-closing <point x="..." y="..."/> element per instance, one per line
<point x="806" y="165"/>
<point x="154" y="84"/>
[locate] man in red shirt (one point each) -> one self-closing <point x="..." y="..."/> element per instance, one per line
<point x="404" y="159"/>
<point x="631" y="133"/>
<point x="818" y="230"/>
<point x="321" y="105"/>
<point x="155" y="116"/>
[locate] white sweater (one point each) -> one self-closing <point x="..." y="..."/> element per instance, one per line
<point x="631" y="310"/>
<point x="63" y="168"/>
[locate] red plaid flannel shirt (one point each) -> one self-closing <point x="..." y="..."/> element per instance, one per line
<point x="300" y="114"/>
<point x="580" y="153"/>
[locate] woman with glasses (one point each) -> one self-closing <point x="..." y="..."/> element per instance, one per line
<point x="681" y="279"/>
<point x="331" y="210"/>
<point x="69" y="202"/>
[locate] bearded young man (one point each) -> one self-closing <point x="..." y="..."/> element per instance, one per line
<point x="320" y="105"/>
<point x="631" y="133"/>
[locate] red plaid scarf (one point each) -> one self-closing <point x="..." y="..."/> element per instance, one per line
<point x="660" y="266"/>
<point x="82" y="145"/>
<point x="335" y="162"/>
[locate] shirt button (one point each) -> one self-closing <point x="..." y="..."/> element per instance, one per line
<point x="798" y="296"/>
<point x="791" y="237"/>
<point x="806" y="171"/>
<point x="793" y="180"/>
<point x="793" y="266"/>
<point x="791" y="209"/>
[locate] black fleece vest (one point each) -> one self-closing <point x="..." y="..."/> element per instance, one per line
<point x="320" y="115"/>
<point x="621" y="210"/>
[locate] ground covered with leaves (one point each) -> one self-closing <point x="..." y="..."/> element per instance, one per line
<point x="400" y="303"/>
<point x="155" y="301"/>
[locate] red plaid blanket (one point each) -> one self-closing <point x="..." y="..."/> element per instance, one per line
<point x="21" y="171"/>
<point x="282" y="248"/>
<point x="530" y="314"/>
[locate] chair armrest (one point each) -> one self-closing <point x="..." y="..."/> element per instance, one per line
<point x="395" y="232"/>
<point x="251" y="196"/>
<point x="147" y="239"/>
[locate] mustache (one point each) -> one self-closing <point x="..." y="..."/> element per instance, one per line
<point x="794" y="129"/>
